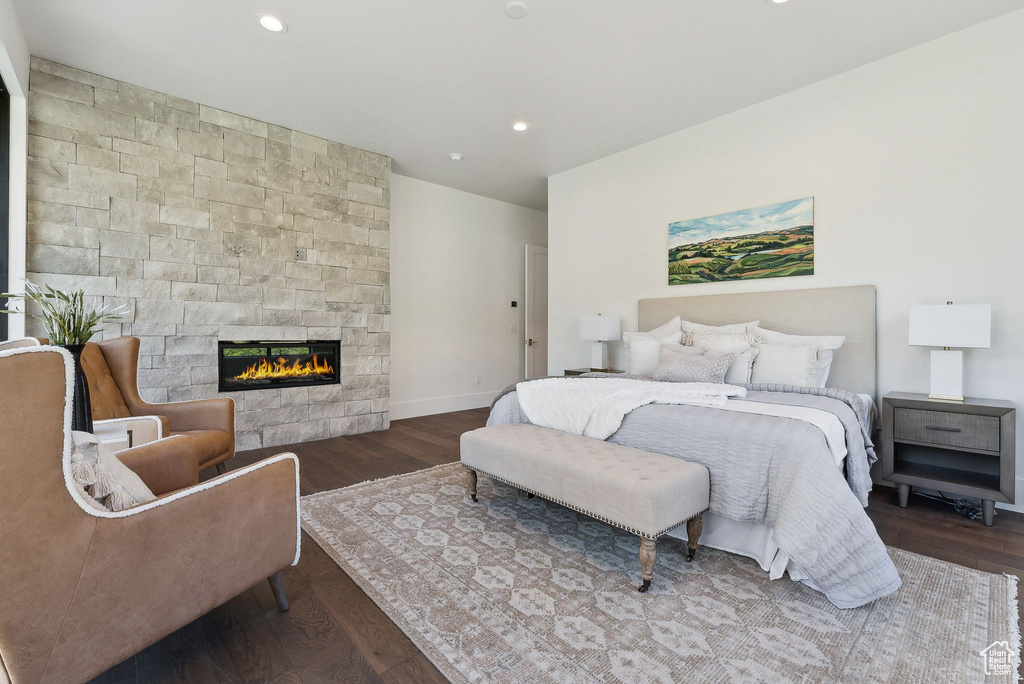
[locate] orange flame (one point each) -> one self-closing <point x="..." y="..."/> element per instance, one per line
<point x="265" y="370"/>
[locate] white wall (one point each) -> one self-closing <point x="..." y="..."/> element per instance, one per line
<point x="14" y="67"/>
<point x="916" y="164"/>
<point x="457" y="263"/>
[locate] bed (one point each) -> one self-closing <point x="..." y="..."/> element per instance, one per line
<point x="777" y="494"/>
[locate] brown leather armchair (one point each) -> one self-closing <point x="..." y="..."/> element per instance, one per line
<point x="112" y="368"/>
<point x="84" y="589"/>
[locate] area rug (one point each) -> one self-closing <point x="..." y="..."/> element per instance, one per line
<point x="513" y="589"/>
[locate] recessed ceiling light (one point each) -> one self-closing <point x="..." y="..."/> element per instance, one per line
<point x="519" y="126"/>
<point x="455" y="156"/>
<point x="773" y="3"/>
<point x="516" y="10"/>
<point x="272" y="23"/>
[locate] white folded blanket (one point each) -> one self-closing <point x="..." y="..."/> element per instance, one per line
<point x="595" y="407"/>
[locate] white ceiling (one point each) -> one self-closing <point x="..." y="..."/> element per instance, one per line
<point x="419" y="79"/>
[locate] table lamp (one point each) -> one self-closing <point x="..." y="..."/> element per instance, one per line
<point x="949" y="325"/>
<point x="600" y="330"/>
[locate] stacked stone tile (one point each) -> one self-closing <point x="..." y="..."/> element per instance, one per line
<point x="191" y="216"/>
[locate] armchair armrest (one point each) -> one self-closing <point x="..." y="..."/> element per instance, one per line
<point x="202" y="414"/>
<point x="164" y="465"/>
<point x="144" y="429"/>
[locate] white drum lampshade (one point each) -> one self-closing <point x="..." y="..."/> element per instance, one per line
<point x="946" y="326"/>
<point x="600" y="330"/>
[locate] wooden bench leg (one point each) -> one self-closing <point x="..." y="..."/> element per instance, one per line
<point x="471" y="481"/>
<point x="693" y="530"/>
<point x="648" y="555"/>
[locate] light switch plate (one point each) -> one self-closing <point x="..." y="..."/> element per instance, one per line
<point x="300" y="254"/>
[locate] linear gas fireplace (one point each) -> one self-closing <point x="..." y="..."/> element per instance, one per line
<point x="264" y="365"/>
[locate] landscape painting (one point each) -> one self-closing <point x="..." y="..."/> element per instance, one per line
<point x="767" y="242"/>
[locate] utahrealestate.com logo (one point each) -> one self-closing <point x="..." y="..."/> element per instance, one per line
<point x="999" y="659"/>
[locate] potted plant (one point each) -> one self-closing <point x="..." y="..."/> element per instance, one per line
<point x="69" y="324"/>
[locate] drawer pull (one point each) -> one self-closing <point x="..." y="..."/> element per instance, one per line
<point x="942" y="428"/>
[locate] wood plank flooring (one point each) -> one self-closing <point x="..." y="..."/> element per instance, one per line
<point x="335" y="633"/>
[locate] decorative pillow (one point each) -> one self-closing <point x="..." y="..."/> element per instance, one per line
<point x="739" y="369"/>
<point x="682" y="349"/>
<point x="740" y="345"/>
<point x="681" y="367"/>
<point x="689" y="327"/>
<point x="106" y="483"/>
<point x="825" y="344"/>
<point x="726" y="343"/>
<point x="643" y="349"/>
<point x="786" y="364"/>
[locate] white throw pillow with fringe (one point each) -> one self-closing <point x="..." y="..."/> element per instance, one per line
<point x="107" y="483"/>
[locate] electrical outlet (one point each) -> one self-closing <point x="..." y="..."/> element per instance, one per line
<point x="476" y="380"/>
<point x="300" y="254"/>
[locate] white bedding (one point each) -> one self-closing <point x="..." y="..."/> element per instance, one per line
<point x="596" y="408"/>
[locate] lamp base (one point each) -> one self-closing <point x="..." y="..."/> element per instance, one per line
<point x="598" y="356"/>
<point x="947" y="375"/>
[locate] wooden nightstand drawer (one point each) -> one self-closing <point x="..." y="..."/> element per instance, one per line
<point x="941" y="428"/>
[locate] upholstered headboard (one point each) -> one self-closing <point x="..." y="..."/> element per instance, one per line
<point x="846" y="311"/>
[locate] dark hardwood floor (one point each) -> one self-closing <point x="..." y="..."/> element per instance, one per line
<point x="335" y="633"/>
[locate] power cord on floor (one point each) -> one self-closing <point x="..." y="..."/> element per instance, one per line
<point x="971" y="508"/>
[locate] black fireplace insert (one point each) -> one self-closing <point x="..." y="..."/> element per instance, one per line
<point x="265" y="365"/>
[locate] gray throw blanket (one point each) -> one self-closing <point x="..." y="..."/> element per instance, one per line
<point x="778" y="472"/>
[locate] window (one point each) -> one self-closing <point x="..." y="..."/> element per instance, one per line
<point x="5" y="196"/>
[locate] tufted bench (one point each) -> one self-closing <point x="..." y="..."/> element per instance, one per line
<point x="645" y="493"/>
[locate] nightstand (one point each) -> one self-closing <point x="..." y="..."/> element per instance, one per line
<point x="581" y="371"/>
<point x="958" y="448"/>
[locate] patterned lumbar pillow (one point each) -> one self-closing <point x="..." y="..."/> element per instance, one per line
<point x="106" y="483"/>
<point x="682" y="367"/>
<point x="725" y="342"/>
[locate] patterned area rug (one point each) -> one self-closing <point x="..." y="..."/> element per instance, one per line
<point x="522" y="590"/>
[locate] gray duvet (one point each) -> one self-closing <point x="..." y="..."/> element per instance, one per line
<point x="778" y="472"/>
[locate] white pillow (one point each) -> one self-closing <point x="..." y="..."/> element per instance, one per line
<point x="825" y="344"/>
<point x="107" y="483"/>
<point x="786" y="364"/>
<point x="740" y="345"/>
<point x="683" y="349"/>
<point x="689" y="327"/>
<point x="643" y="350"/>
<point x="724" y="343"/>
<point x="741" y="367"/>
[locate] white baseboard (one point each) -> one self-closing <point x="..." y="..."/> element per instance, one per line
<point x="428" y="407"/>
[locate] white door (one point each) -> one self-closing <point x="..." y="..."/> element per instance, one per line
<point x="536" y="311"/>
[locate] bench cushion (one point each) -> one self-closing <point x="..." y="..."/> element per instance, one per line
<point x="643" y="492"/>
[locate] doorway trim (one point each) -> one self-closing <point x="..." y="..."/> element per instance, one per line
<point x="530" y="336"/>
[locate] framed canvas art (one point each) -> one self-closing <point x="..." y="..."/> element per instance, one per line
<point x="772" y="241"/>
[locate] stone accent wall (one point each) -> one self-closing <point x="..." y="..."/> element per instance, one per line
<point x="192" y="216"/>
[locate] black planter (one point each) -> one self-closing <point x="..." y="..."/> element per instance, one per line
<point x="81" y="411"/>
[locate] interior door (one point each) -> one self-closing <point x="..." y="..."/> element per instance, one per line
<point x="536" y="327"/>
